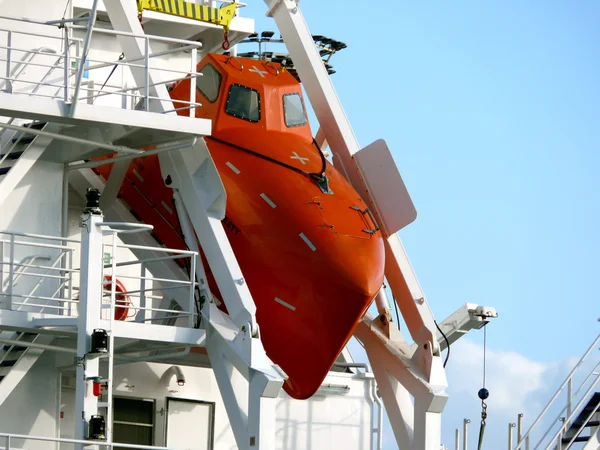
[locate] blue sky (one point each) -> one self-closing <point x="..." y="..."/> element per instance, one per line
<point x="491" y="112"/>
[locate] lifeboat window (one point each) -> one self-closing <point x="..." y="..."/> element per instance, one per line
<point x="293" y="110"/>
<point x="243" y="103"/>
<point x="209" y="83"/>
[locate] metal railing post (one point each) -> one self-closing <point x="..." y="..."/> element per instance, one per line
<point x="7" y="442"/>
<point x="9" y="86"/>
<point x="2" y="270"/>
<point x="11" y="271"/>
<point x="466" y="423"/>
<point x="510" y="435"/>
<point x="124" y="84"/>
<point x="519" y="428"/>
<point x="561" y="433"/>
<point x="67" y="68"/>
<point x="569" y="397"/>
<point x="70" y="266"/>
<point x="193" y="79"/>
<point x="457" y="439"/>
<point x="90" y="92"/>
<point x="192" y="290"/>
<point x="84" y="55"/>
<point x="147" y="74"/>
<point x="141" y="315"/>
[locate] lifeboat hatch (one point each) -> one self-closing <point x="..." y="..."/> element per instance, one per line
<point x="345" y="219"/>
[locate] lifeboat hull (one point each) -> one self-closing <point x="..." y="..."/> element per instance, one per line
<point x="312" y="261"/>
<point x="311" y="255"/>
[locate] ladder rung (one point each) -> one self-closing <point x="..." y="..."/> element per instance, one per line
<point x="577" y="439"/>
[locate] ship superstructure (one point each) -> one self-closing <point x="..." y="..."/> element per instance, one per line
<point x="151" y="299"/>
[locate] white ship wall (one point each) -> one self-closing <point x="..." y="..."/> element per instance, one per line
<point x="31" y="408"/>
<point x="35" y="207"/>
<point x="322" y="422"/>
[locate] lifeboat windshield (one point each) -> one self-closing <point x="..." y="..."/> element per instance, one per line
<point x="209" y="83"/>
<point x="293" y="110"/>
<point x="243" y="103"/>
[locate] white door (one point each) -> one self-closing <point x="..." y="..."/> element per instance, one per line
<point x="189" y="424"/>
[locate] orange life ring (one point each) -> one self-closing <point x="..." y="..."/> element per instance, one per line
<point x="123" y="302"/>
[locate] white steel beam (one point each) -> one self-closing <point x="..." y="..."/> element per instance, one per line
<point x="20" y="369"/>
<point x="251" y="410"/>
<point x="23" y="320"/>
<point x="197" y="182"/>
<point x="25" y="162"/>
<point x="124" y="17"/>
<point x="321" y="140"/>
<point x="152" y="332"/>
<point x="114" y="183"/>
<point x="402" y="372"/>
<point x="53" y="110"/>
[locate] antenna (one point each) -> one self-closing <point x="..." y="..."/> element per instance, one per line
<point x="326" y="47"/>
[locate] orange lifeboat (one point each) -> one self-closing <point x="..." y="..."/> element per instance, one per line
<point x="309" y="249"/>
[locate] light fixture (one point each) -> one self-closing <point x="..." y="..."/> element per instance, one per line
<point x="99" y="341"/>
<point x="333" y="389"/>
<point x="173" y="371"/>
<point x="97" y="429"/>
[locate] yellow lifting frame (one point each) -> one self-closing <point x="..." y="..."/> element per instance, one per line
<point x="219" y="16"/>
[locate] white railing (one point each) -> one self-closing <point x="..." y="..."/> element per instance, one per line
<point x="62" y="80"/>
<point x="575" y="401"/>
<point x="32" y="286"/>
<point x="7" y="442"/>
<point x="47" y="282"/>
<point x="19" y="271"/>
<point x="131" y="290"/>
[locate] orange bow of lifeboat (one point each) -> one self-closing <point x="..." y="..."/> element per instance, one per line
<point x="307" y="246"/>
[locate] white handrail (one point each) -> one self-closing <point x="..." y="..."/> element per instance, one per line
<point x="71" y="80"/>
<point x="19" y="269"/>
<point x="118" y="269"/>
<point x="18" y="69"/>
<point x="130" y="227"/>
<point x="21" y="263"/>
<point x="9" y="436"/>
<point x="527" y="435"/>
<point x="568" y="419"/>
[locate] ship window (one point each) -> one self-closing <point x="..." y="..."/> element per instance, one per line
<point x="293" y="110"/>
<point x="209" y="83"/>
<point x="133" y="421"/>
<point x="243" y="103"/>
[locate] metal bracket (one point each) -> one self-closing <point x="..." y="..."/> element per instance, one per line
<point x="251" y="410"/>
<point x="403" y="371"/>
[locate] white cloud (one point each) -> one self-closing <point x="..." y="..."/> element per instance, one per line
<point x="514" y="381"/>
<point x="517" y="384"/>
